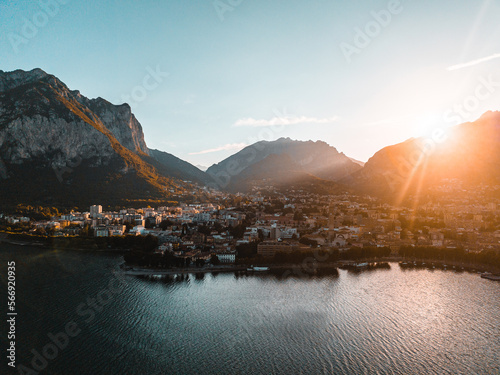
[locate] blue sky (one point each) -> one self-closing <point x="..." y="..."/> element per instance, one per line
<point x="232" y="72"/>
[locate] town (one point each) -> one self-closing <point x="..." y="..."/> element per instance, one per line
<point x="270" y="223"/>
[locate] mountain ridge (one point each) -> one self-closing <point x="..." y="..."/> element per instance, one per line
<point x="467" y="152"/>
<point x="45" y="126"/>
<point x="56" y="145"/>
<point x="314" y="158"/>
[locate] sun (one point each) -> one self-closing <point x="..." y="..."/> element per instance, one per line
<point x="425" y="125"/>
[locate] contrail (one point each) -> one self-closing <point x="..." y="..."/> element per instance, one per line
<point x="475" y="62"/>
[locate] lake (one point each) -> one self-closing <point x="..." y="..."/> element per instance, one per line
<point x="387" y="321"/>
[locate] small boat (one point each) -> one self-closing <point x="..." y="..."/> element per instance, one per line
<point x="362" y="265"/>
<point x="257" y="269"/>
<point x="490" y="276"/>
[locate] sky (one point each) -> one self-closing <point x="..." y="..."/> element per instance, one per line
<point x="205" y="78"/>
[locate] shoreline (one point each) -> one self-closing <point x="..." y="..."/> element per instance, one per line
<point x="51" y="247"/>
<point x="299" y="269"/>
<point x="483" y="268"/>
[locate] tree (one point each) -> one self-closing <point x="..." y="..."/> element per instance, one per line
<point x="165" y="224"/>
<point x="199" y="262"/>
<point x="307" y="241"/>
<point x="237" y="231"/>
<point x="85" y="232"/>
<point x="214" y="260"/>
<point x="269" y="210"/>
<point x="150" y="223"/>
<point x="247" y="250"/>
<point x="297" y="216"/>
<point x="204" y="229"/>
<point x="218" y="227"/>
<point x="260" y="233"/>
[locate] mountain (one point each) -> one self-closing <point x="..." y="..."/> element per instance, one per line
<point x="280" y="162"/>
<point x="469" y="153"/>
<point x="58" y="147"/>
<point x="275" y="169"/>
<point x="179" y="168"/>
<point x="361" y="163"/>
<point x="282" y="173"/>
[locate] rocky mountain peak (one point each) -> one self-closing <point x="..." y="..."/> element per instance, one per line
<point x="33" y="100"/>
<point x="58" y="146"/>
<point x="16" y="78"/>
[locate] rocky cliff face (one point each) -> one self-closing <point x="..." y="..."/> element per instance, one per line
<point x="38" y="120"/>
<point x="59" y="147"/>
<point x="121" y="122"/>
<point x="10" y="80"/>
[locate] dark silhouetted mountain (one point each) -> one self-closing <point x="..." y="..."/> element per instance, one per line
<point x="281" y="161"/>
<point x="60" y="148"/>
<point x="179" y="168"/>
<point x="280" y="171"/>
<point x="57" y="147"/>
<point x="361" y="163"/>
<point x="468" y="152"/>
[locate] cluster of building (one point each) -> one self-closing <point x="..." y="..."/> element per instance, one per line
<point x="296" y="220"/>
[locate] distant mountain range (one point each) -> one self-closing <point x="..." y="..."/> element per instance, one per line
<point x="60" y="148"/>
<point x="175" y="167"/>
<point x="281" y="162"/>
<point x="469" y="153"/>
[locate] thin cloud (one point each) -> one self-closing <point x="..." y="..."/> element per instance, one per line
<point x="226" y="147"/>
<point x="474" y="62"/>
<point x="387" y="121"/>
<point x="289" y="120"/>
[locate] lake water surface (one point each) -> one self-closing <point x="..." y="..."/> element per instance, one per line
<point x="375" y="322"/>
